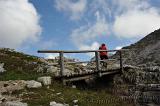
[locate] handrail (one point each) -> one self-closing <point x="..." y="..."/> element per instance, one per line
<point x="77" y="51"/>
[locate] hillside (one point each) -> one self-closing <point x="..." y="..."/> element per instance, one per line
<point x="29" y="81"/>
<point x="144" y="52"/>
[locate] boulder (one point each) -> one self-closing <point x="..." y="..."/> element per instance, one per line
<point x="75" y="101"/>
<point x="53" y="103"/>
<point x="14" y="103"/>
<point x="46" y="80"/>
<point x="1" y="68"/>
<point x="33" y="84"/>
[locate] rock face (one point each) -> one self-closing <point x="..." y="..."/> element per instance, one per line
<point x="1" y="68"/>
<point x="33" y="84"/>
<point x="142" y="69"/>
<point x="45" y="80"/>
<point x="146" y="51"/>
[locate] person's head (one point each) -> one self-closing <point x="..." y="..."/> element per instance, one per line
<point x="103" y="44"/>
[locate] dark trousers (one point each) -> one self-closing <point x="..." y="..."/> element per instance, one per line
<point x="103" y="57"/>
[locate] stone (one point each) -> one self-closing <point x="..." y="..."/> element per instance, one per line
<point x="59" y="93"/>
<point x="15" y="103"/>
<point x="39" y="69"/>
<point x="33" y="84"/>
<point x="52" y="69"/>
<point x="1" y="68"/>
<point x="53" y="103"/>
<point x="46" y="80"/>
<point x="75" y="101"/>
<point x="73" y="86"/>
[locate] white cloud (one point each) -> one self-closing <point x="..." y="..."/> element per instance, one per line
<point x="47" y="44"/>
<point x="136" y="23"/>
<point x="93" y="46"/>
<point x="51" y="56"/>
<point x="74" y="9"/>
<point x="87" y="34"/>
<point x="118" y="47"/>
<point x="19" y="22"/>
<point x="123" y="18"/>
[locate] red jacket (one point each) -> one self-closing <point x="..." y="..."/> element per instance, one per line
<point x="103" y="53"/>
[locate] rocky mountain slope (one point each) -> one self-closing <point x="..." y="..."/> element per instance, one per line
<point x="144" y="52"/>
<point x="142" y="70"/>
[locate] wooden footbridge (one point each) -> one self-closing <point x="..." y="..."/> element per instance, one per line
<point x="98" y="72"/>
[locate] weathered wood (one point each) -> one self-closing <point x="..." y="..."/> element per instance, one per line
<point x="87" y="76"/>
<point x="109" y="72"/>
<point x="62" y="67"/>
<point x="79" y="78"/>
<point x="77" y="51"/>
<point x="98" y="62"/>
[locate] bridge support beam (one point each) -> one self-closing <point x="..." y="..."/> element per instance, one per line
<point x="98" y="63"/>
<point x="62" y="66"/>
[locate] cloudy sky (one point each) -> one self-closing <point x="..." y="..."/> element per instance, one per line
<point x="29" y="25"/>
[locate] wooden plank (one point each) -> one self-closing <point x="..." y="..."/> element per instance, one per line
<point x="76" y="51"/>
<point x="61" y="64"/>
<point x="98" y="63"/>
<point x="109" y="72"/>
<point x="77" y="78"/>
<point x="80" y="78"/>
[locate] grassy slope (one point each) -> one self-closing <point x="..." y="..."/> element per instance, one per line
<point x="18" y="67"/>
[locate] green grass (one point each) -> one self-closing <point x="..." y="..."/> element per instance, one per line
<point x="19" y="75"/>
<point x="43" y="96"/>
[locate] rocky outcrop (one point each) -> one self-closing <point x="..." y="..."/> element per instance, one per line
<point x="142" y="84"/>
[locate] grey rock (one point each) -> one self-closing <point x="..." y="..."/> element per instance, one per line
<point x="46" y="80"/>
<point x="53" y="103"/>
<point x="52" y="69"/>
<point x="1" y="68"/>
<point x="75" y="101"/>
<point x="33" y="84"/>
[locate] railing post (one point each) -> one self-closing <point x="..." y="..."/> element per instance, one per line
<point x="121" y="62"/>
<point x="98" y="63"/>
<point x="62" y="66"/>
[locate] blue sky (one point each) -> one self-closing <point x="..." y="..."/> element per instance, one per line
<point x="30" y="25"/>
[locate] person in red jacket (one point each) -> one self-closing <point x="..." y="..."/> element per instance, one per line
<point x="103" y="55"/>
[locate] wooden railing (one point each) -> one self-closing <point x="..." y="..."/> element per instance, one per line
<point x="97" y="58"/>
